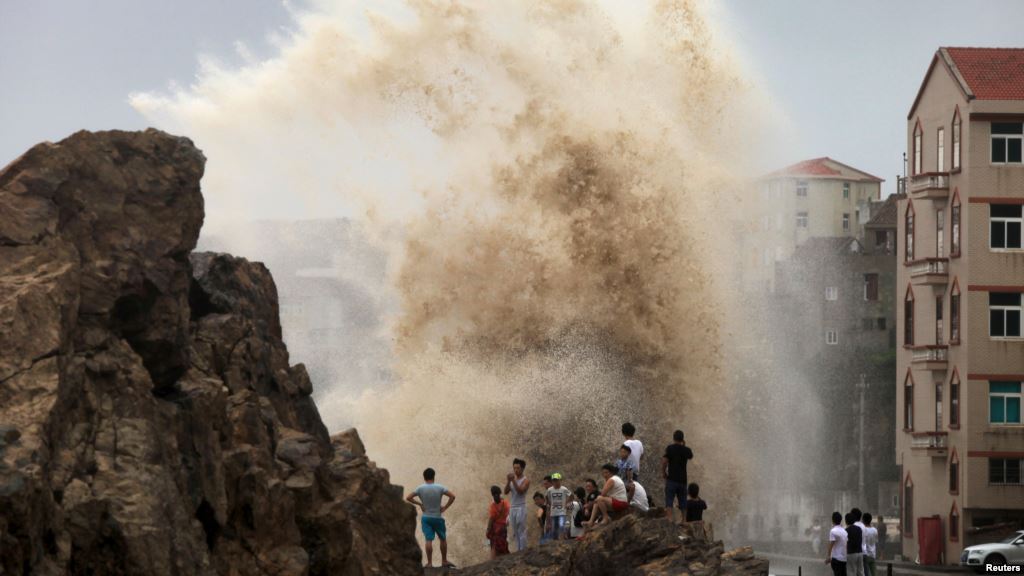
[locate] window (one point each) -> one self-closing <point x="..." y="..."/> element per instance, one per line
<point x="938" y="320"/>
<point x="909" y="225"/>
<point x="880" y="322"/>
<point x="938" y="406"/>
<point x="1006" y="142"/>
<point x="801" y="187"/>
<point x="954" y="314"/>
<point x="1004" y="471"/>
<point x="908" y="507"/>
<point x="954" y="215"/>
<point x="940" y="233"/>
<point x="1004" y="311"/>
<point x="846" y="190"/>
<point x="917" y="148"/>
<point x="871" y="287"/>
<point x="956" y="139"/>
<point x="1004" y="400"/>
<point x="954" y="400"/>
<point x="831" y="337"/>
<point x="954" y="472"/>
<point x="846" y="221"/>
<point x="801" y="219"/>
<point x="940" y="161"/>
<point x="831" y="293"/>
<point x="954" y="524"/>
<point x="908" y="318"/>
<point x="1005" y="226"/>
<point x="908" y="401"/>
<point x="867" y="324"/>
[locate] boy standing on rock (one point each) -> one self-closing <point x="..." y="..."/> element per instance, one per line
<point x="432" y="521"/>
<point x="636" y="448"/>
<point x="557" y="501"/>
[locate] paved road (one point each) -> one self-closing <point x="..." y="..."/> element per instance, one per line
<point x="780" y="565"/>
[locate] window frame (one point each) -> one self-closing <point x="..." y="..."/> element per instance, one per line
<point x="940" y="149"/>
<point x="846" y="190"/>
<point x="954" y="523"/>
<point x="908" y="317"/>
<point x="938" y="405"/>
<point x="907" y="508"/>
<point x="846" y="221"/>
<point x="918" y="140"/>
<point x="1005" y="467"/>
<point x="1019" y="137"/>
<point x="908" y="402"/>
<point x="1019" y="309"/>
<point x="831" y="293"/>
<point x="802" y="220"/>
<point x="871" y="286"/>
<point x="954" y="472"/>
<point x="908" y="232"/>
<point x="940" y="233"/>
<point x="957" y="136"/>
<point x="1006" y="396"/>
<point x="801" y="188"/>
<point x="954" y="400"/>
<point x="940" y="332"/>
<point x="1005" y="221"/>
<point x="955" y="216"/>
<point x="832" y="337"/>
<point x="954" y="313"/>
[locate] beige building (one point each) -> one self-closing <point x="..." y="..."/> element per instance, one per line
<point x="818" y="198"/>
<point x="960" y="278"/>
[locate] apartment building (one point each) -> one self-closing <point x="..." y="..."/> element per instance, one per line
<point x="820" y="197"/>
<point x="960" y="280"/>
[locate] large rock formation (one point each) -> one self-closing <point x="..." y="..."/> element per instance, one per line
<point x="632" y="545"/>
<point x="150" y="422"/>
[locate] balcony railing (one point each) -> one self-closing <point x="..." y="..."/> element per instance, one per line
<point x="929" y="181"/>
<point x="929" y="266"/>
<point x="930" y="353"/>
<point x="933" y="442"/>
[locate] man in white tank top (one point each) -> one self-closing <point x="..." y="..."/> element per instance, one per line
<point x="517" y="487"/>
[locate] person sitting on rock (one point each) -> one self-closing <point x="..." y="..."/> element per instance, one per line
<point x="577" y="513"/>
<point x="637" y="497"/>
<point x="590" y="487"/>
<point x="613" y="498"/>
<point x="432" y="521"/>
<point x="625" y="467"/>
<point x="497" y="523"/>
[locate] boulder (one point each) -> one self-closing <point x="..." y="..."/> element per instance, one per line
<point x="150" y="421"/>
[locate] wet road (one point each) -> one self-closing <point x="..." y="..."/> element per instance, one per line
<point x="780" y="565"/>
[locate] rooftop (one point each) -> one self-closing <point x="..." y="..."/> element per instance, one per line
<point x="824" y="167"/>
<point x="886" y="214"/>
<point x="990" y="73"/>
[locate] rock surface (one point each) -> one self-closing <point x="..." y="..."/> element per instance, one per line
<point x="150" y="421"/>
<point x="630" y="546"/>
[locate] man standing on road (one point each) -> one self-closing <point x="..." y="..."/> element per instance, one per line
<point x="837" y="546"/>
<point x="870" y="546"/>
<point x="673" y="469"/>
<point x="517" y="486"/>
<point x="432" y="521"/>
<point x="854" y="545"/>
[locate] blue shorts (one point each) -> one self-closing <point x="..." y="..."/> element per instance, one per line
<point x="674" y="491"/>
<point x="432" y="527"/>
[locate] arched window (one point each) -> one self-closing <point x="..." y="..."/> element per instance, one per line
<point x="954" y="228"/>
<point x="908" y="318"/>
<point x="908" y="223"/>
<point x="940" y="156"/>
<point x="954" y="472"/>
<point x="938" y="406"/>
<point x="954" y="399"/>
<point x="918" y="134"/>
<point x="954" y="524"/>
<point x="954" y="312"/>
<point x="908" y="401"/>
<point x="908" y="507"/>
<point x="956" y="138"/>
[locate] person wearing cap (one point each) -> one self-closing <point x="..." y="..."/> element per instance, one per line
<point x="557" y="501"/>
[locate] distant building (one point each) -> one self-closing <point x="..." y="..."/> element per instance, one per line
<point x="960" y="360"/>
<point x="814" y="198"/>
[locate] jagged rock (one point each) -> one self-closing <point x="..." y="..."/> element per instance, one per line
<point x="632" y="545"/>
<point x="150" y="422"/>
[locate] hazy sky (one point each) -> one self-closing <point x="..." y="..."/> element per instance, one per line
<point x="844" y="73"/>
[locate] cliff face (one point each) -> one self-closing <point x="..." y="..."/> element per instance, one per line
<point x="150" y="422"/>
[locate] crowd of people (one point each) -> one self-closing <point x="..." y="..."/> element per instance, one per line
<point x="852" y="550"/>
<point x="561" y="513"/>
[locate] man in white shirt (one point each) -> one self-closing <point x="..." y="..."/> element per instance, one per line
<point x="870" y="546"/>
<point x="638" y="497"/>
<point x="636" y="447"/>
<point x="837" y="546"/>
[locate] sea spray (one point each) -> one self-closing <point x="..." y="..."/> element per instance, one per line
<point x="549" y="185"/>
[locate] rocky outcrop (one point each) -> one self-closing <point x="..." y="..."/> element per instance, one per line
<point x="150" y="421"/>
<point x="632" y="545"/>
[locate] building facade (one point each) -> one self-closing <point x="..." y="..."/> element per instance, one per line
<point x="960" y="280"/>
<point x="815" y="198"/>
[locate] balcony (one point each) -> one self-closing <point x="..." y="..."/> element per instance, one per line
<point x="929" y="271"/>
<point x="930" y="357"/>
<point x="929" y="185"/>
<point x="930" y="443"/>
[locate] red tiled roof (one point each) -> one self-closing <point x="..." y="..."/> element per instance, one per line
<point x="991" y="73"/>
<point x="820" y="167"/>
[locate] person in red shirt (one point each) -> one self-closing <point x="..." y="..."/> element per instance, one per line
<point x="497" y="523"/>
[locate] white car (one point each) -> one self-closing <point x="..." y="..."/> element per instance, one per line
<point x="1009" y="550"/>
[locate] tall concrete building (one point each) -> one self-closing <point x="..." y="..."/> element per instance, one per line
<point x="960" y="279"/>
<point x="816" y="198"/>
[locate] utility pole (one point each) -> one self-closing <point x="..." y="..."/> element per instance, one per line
<point x="860" y="464"/>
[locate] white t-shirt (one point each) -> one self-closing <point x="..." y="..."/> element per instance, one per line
<point x="863" y="538"/>
<point x="618" y="491"/>
<point x="838" y="535"/>
<point x="639" y="500"/>
<point x="574" y="530"/>
<point x="637" y="450"/>
<point x="557" y="497"/>
<point x="870" y="540"/>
